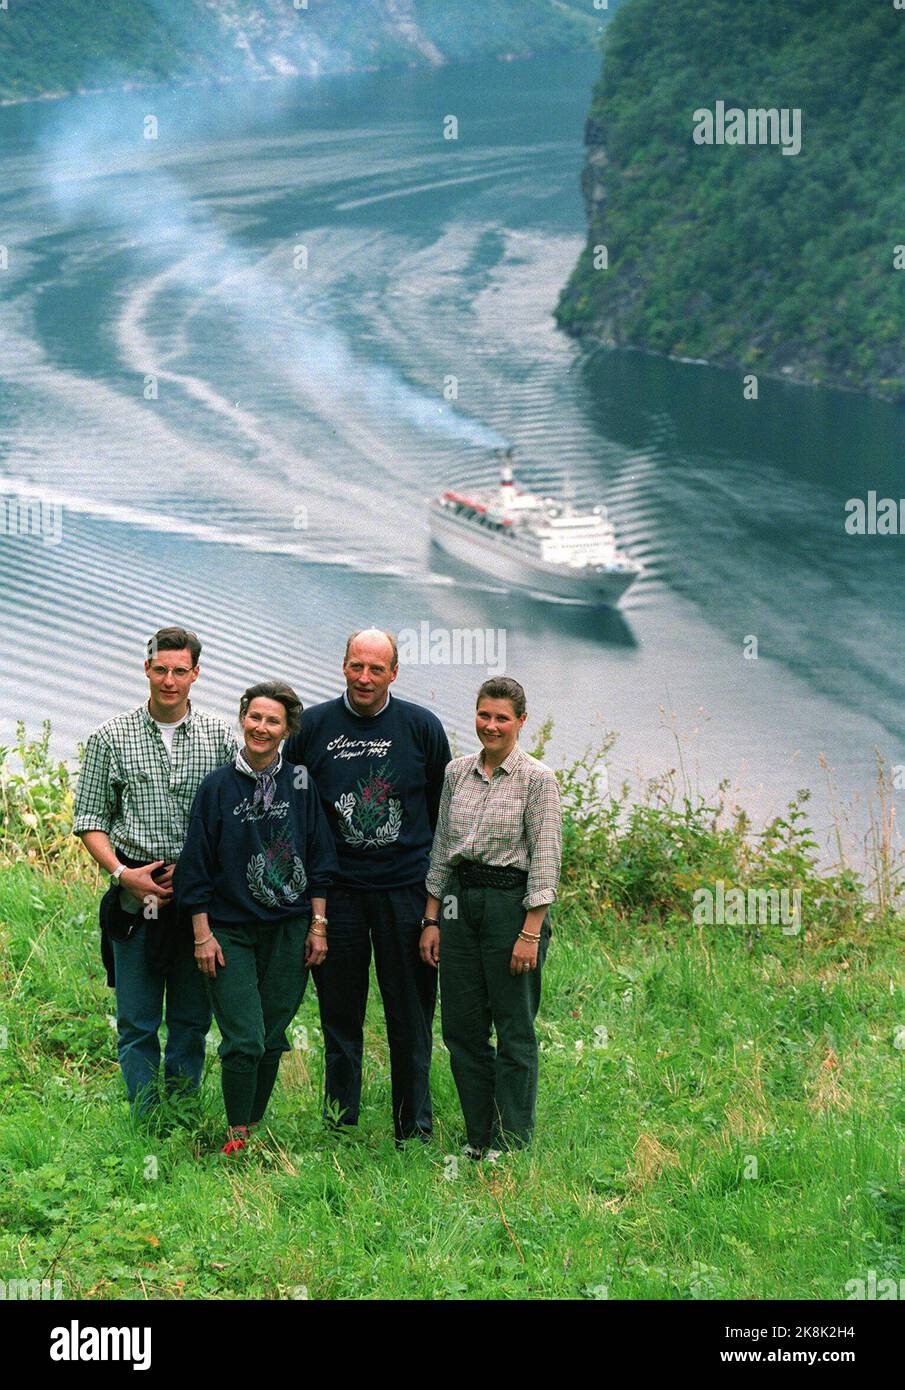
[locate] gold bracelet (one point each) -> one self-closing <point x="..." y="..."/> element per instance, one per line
<point x="312" y="931"/>
<point x="204" y="940"/>
<point x="526" y="936"/>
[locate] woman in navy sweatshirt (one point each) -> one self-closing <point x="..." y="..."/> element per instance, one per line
<point x="257" y="862"/>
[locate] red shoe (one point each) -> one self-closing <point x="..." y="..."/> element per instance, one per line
<point x="236" y="1141"/>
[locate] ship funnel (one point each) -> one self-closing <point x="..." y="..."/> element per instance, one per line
<point x="507" y="486"/>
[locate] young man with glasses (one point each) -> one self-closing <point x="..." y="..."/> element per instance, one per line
<point x="135" y="791"/>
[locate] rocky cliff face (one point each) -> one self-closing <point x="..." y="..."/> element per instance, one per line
<point x="281" y="40"/>
<point x="50" y="48"/>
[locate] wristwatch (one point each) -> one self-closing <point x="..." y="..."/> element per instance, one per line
<point x="429" y="922"/>
<point x="117" y="873"/>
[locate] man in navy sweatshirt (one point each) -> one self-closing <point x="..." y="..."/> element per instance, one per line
<point x="378" y="763"/>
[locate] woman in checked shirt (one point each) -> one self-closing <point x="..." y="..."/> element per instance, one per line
<point x="495" y="869"/>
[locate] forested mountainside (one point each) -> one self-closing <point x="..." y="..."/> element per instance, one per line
<point x="55" y="46"/>
<point x="746" y="253"/>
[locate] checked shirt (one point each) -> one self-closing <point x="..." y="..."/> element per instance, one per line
<point x="510" y="820"/>
<point x="130" y="787"/>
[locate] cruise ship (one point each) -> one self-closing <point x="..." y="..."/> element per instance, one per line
<point x="532" y="542"/>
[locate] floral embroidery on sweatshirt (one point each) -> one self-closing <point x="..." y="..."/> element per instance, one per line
<point x="276" y="876"/>
<point x="371" y="815"/>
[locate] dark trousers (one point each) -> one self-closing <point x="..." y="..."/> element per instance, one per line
<point x="497" y="1086"/>
<point x="391" y="919"/>
<point x="255" y="997"/>
<point x="140" y="993"/>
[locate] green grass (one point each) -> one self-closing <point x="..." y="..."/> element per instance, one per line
<point x="677" y="1062"/>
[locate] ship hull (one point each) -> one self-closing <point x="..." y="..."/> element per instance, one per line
<point x="500" y="560"/>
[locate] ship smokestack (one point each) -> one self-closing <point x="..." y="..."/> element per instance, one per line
<point x="507" y="485"/>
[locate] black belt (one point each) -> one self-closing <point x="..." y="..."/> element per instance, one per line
<point x="473" y="875"/>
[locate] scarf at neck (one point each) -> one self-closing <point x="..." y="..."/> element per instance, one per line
<point x="265" y="779"/>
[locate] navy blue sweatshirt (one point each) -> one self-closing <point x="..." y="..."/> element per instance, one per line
<point x="380" y="778"/>
<point x="238" y="865"/>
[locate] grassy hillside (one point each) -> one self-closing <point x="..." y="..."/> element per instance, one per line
<point x="737" y="253"/>
<point x="49" y="47"/>
<point x="721" y="1108"/>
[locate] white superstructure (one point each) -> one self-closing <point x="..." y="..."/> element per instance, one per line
<point x="533" y="542"/>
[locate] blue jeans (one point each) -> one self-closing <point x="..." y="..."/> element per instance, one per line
<point x="139" y="1013"/>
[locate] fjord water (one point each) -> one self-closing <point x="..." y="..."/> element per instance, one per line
<point x="298" y="270"/>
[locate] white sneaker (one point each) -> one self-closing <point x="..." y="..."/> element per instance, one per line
<point x="469" y="1151"/>
<point x="492" y="1155"/>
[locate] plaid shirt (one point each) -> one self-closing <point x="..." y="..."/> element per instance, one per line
<point x="509" y="820"/>
<point x="131" y="788"/>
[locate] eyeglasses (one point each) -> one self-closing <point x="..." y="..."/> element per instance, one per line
<point x="178" y="672"/>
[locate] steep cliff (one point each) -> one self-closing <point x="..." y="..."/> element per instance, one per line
<point x="53" y="46"/>
<point x="723" y="240"/>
